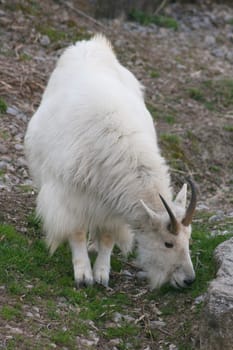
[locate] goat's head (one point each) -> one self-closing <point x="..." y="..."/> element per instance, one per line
<point x="164" y="243"/>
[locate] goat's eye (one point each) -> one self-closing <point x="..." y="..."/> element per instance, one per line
<point x="169" y="245"/>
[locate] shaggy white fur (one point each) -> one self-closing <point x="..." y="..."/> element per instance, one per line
<point x="92" y="151"/>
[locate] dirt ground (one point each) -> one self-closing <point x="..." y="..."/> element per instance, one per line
<point x="189" y="90"/>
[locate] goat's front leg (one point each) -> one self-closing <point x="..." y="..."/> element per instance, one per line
<point x="103" y="261"/>
<point x="81" y="263"/>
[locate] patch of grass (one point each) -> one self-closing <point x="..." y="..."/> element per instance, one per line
<point x="24" y="57"/>
<point x="34" y="222"/>
<point x="25" y="261"/>
<point x="54" y="34"/>
<point x="4" y="135"/>
<point x="153" y="110"/>
<point x="203" y="260"/>
<point x="170" y="119"/>
<point x="25" y="188"/>
<point x="10" y="313"/>
<point x="123" y="331"/>
<point x="228" y="128"/>
<point x="146" y="19"/>
<point x="196" y="94"/>
<point x="154" y="74"/>
<point x="173" y="148"/>
<point x="230" y="21"/>
<point x="61" y="337"/>
<point x="215" y="168"/>
<point x="214" y="94"/>
<point x="3" y="106"/>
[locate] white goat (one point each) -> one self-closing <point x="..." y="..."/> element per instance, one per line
<point x="93" y="153"/>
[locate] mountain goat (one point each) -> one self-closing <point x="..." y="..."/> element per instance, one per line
<point x="93" y="153"/>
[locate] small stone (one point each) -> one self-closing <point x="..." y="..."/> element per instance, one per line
<point x="29" y="314"/>
<point x="230" y="36"/>
<point x="18" y="147"/>
<point x="218" y="52"/>
<point x="44" y="40"/>
<point x="141" y="275"/>
<point x="126" y="273"/>
<point x="14" y="330"/>
<point x="117" y="317"/>
<point x="172" y="347"/>
<point x="199" y="299"/>
<point x="21" y="161"/>
<point x="157" y="324"/>
<point x="3" y="165"/>
<point x="129" y="318"/>
<point x="210" y="40"/>
<point x="12" y="110"/>
<point x="229" y="56"/>
<point x="89" y="342"/>
<point x="202" y="206"/>
<point x="115" y="342"/>
<point x="35" y="308"/>
<point x="215" y="218"/>
<point x="3" y="149"/>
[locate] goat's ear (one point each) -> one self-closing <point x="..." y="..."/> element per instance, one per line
<point x="182" y="196"/>
<point x="150" y="212"/>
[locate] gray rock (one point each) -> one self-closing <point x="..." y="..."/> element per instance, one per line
<point x="157" y="324"/>
<point x="18" y="147"/>
<point x="215" y="218"/>
<point x="210" y="40"/>
<point x="3" y="165"/>
<point x="3" y="149"/>
<point x="44" y="40"/>
<point x="216" y="329"/>
<point x="117" y="317"/>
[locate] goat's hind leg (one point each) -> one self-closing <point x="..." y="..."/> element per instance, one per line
<point x="102" y="264"/>
<point x="81" y="263"/>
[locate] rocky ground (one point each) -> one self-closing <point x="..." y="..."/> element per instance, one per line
<point x="189" y="90"/>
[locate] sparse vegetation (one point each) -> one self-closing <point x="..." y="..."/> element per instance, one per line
<point x="146" y="19"/>
<point x="214" y="94"/>
<point x="154" y="74"/>
<point x="3" y="106"/>
<point x="228" y="128"/>
<point x="27" y="269"/>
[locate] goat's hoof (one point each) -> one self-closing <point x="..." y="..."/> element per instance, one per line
<point x="84" y="282"/>
<point x="101" y="276"/>
<point x="83" y="276"/>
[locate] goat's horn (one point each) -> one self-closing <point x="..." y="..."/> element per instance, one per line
<point x="192" y="205"/>
<point x="174" y="224"/>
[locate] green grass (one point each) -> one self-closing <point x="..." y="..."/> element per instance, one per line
<point x="196" y="94"/>
<point x="173" y="148"/>
<point x="24" y="261"/>
<point x="228" y="128"/>
<point x="154" y="74"/>
<point x="9" y="313"/>
<point x="146" y="19"/>
<point x="170" y="119"/>
<point x="3" y="106"/>
<point x="230" y="21"/>
<point x="56" y="35"/>
<point x="214" y="94"/>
